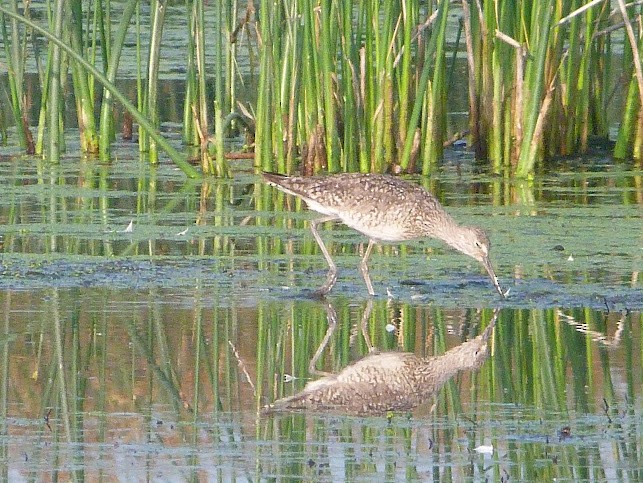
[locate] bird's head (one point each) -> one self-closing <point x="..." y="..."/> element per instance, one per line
<point x="474" y="242"/>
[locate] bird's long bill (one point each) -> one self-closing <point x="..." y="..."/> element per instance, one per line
<point x="487" y="265"/>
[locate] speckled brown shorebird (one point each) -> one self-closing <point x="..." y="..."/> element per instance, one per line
<point x="385" y="209"/>
<point x="387" y="381"/>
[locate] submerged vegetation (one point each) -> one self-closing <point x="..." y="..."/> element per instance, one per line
<point x="342" y="86"/>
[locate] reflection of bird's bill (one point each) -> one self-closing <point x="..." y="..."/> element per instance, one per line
<point x="486" y="334"/>
<point x="487" y="265"/>
<point x="490" y="328"/>
<point x="496" y="312"/>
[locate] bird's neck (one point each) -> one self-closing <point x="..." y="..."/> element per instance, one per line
<point x="463" y="357"/>
<point x="448" y="231"/>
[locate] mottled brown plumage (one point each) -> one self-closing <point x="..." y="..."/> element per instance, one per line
<point x="388" y="381"/>
<point x="385" y="209"/>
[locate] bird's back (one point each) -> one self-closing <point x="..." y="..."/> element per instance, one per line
<point x="376" y="384"/>
<point x="382" y="207"/>
<point x="387" y="381"/>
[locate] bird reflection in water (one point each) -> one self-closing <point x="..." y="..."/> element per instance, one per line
<point x="384" y="381"/>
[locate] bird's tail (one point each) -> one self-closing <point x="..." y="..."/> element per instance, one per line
<point x="291" y="403"/>
<point x="273" y="179"/>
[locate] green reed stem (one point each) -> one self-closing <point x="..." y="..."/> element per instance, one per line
<point x="189" y="132"/>
<point x="352" y="144"/>
<point x="534" y="88"/>
<point x="219" y="48"/>
<point x="356" y="85"/>
<point x="158" y="9"/>
<point x="106" y="133"/>
<point x="310" y="116"/>
<point x="436" y="110"/>
<point x="44" y="101"/>
<point x="280" y="58"/>
<point x="629" y="140"/>
<point x="423" y="84"/>
<point x="104" y="20"/>
<point x="229" y="73"/>
<point x="385" y="77"/>
<point x="263" y="152"/>
<point x="15" y="66"/>
<point x="140" y="94"/>
<point x="629" y="120"/>
<point x="82" y="93"/>
<point x="409" y="20"/>
<point x="494" y="78"/>
<point x="582" y="124"/>
<point x="369" y="70"/>
<point x="201" y="101"/>
<point x="55" y="114"/>
<point x="176" y="157"/>
<point x="291" y="88"/>
<point x="222" y="31"/>
<point x="327" y="50"/>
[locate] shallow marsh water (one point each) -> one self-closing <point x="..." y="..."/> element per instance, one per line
<point x="144" y="353"/>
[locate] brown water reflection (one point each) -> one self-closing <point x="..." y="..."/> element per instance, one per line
<point x="99" y="380"/>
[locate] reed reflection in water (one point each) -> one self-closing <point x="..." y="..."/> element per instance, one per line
<point x="170" y="383"/>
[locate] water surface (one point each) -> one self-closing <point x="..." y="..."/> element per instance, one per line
<point x="151" y="349"/>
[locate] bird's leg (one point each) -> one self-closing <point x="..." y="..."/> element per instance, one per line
<point x="331" y="315"/>
<point x="331" y="277"/>
<point x="363" y="267"/>
<point x="364" y="324"/>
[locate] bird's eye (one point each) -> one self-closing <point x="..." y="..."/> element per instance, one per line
<point x="478" y="244"/>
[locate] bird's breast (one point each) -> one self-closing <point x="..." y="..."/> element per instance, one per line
<point x="322" y="208"/>
<point x="380" y="227"/>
